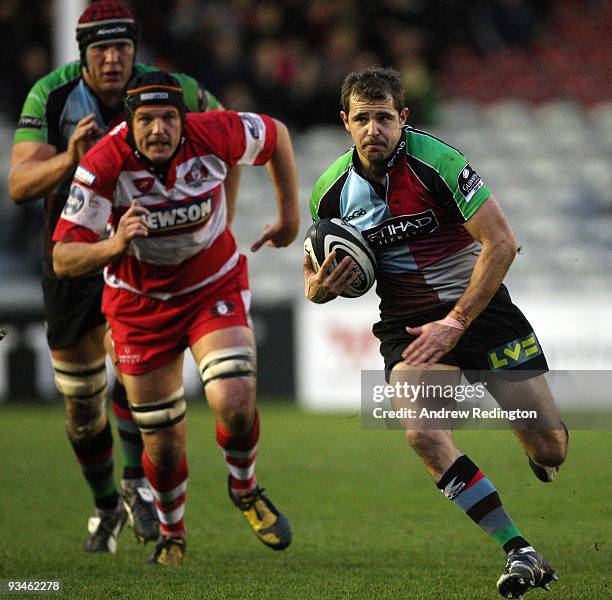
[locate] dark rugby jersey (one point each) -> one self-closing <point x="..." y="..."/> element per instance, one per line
<point x="415" y="226"/>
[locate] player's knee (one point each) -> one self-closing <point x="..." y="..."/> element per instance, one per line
<point x="228" y="363"/>
<point x="167" y="452"/>
<point x="237" y="415"/>
<point x="84" y="390"/>
<point x="161" y="414"/>
<point x="84" y="421"/>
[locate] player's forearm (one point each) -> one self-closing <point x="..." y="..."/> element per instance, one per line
<point x="283" y="172"/>
<point x="73" y="259"/>
<point x="231" y="192"/>
<point x="489" y="272"/>
<point x="35" y="179"/>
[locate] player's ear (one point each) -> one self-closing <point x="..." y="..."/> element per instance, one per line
<point x="345" y="120"/>
<point x="404" y="116"/>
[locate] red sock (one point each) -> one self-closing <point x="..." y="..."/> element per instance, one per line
<point x="240" y="452"/>
<point x="169" y="490"/>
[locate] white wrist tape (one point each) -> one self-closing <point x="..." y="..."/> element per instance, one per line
<point x="450" y="322"/>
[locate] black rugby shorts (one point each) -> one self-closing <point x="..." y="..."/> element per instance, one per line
<point x="72" y="308"/>
<point x="500" y="339"/>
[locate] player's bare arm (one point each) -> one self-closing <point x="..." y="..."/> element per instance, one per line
<point x="324" y="286"/>
<point x="36" y="167"/>
<point x="232" y="181"/>
<point x="73" y="259"/>
<point x="283" y="173"/>
<point x="491" y="228"/>
<point x="499" y="247"/>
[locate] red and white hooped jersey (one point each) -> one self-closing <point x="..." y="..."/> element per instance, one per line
<point x="189" y="245"/>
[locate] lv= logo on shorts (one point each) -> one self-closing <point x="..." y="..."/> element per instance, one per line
<point x="514" y="353"/>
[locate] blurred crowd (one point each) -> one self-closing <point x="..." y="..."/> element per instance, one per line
<point x="286" y="57"/>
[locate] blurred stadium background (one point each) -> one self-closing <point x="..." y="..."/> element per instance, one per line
<point x="523" y="87"/>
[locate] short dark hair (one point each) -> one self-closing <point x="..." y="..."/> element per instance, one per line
<point x="375" y="83"/>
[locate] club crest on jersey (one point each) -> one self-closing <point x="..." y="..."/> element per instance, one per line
<point x="469" y="182"/>
<point x="190" y="213"/>
<point x="75" y="202"/>
<point x="196" y="175"/>
<point x="144" y="184"/>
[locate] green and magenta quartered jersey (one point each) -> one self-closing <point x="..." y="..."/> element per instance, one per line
<point x="415" y="226"/>
<point x="58" y="101"/>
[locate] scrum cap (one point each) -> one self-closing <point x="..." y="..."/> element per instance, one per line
<point x="105" y="22"/>
<point x="155" y="87"/>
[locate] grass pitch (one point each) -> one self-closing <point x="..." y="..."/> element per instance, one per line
<point x="368" y="522"/>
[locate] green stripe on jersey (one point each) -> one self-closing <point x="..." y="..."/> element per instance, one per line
<point x="325" y="182"/>
<point x="34" y="110"/>
<point x="35" y="105"/>
<point x="448" y="163"/>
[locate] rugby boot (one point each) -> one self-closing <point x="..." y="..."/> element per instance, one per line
<point x="525" y="570"/>
<point x="546" y="474"/>
<point x="169" y="551"/>
<point x="268" y="524"/>
<point x="142" y="515"/>
<point x="104" y="529"/>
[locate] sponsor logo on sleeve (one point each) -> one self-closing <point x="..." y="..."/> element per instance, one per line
<point x="75" y="202"/>
<point x="84" y="176"/>
<point x="469" y="182"/>
<point x="252" y="124"/>
<point x="359" y="212"/>
<point x="28" y="122"/>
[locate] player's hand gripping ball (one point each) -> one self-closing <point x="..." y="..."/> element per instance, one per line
<point x="327" y="235"/>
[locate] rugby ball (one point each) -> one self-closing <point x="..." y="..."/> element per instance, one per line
<point x="327" y="235"/>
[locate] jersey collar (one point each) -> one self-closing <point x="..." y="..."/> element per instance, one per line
<point x="399" y="150"/>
